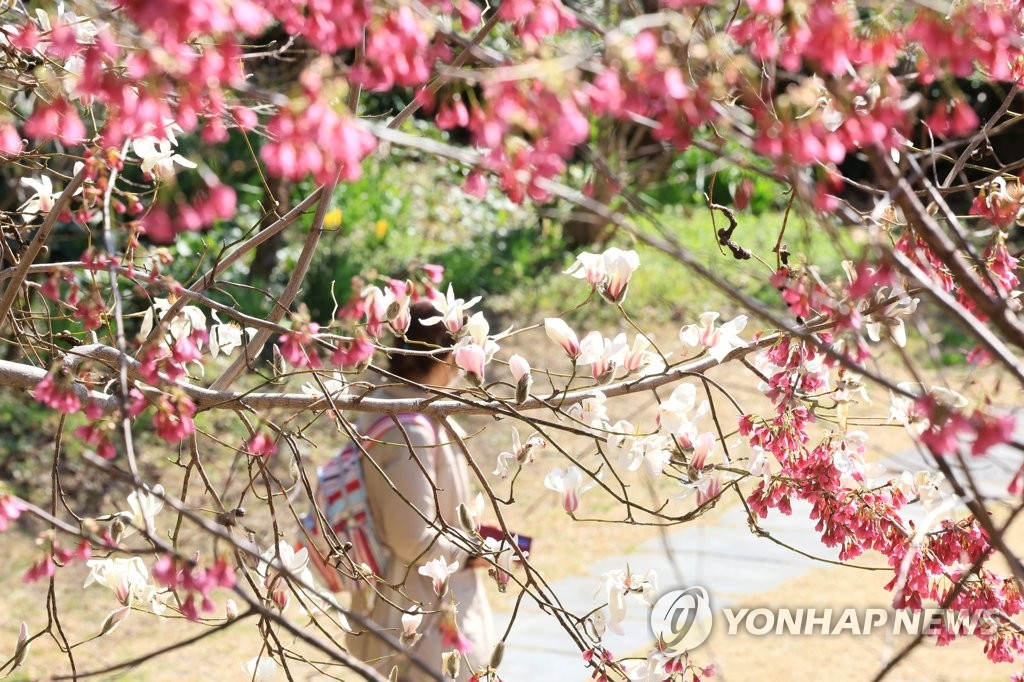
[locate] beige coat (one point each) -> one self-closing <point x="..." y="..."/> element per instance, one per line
<point x="413" y="542"/>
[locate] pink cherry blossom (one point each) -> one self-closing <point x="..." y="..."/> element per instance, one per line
<point x="261" y="445"/>
<point x="11" y="143"/>
<point x="354" y="353"/>
<point x="58" y="393"/>
<point x="10" y="509"/>
<point x="173" y="418"/>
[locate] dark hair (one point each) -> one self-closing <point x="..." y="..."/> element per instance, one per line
<point x="420" y="337"/>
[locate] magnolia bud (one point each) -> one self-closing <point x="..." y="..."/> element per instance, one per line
<point x="466" y="519"/>
<point x="117" y="529"/>
<point x="523" y="389"/>
<point x="231" y="609"/>
<point x="498" y="654"/>
<point x="450" y="662"/>
<point x="280" y="366"/>
<point x="607" y="375"/>
<point x="281" y="597"/>
<point x="21" y="648"/>
<point x="393" y="675"/>
<point x="114" y="619"/>
<point x="519" y="367"/>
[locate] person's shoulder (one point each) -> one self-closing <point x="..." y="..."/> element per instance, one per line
<point x="420" y="429"/>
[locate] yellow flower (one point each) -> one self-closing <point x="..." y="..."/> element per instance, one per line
<point x="381" y="228"/>
<point x="332" y="221"/>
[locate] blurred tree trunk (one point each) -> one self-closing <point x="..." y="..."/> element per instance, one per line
<point x="265" y="260"/>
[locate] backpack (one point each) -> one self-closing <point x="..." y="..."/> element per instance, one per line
<point x="341" y="495"/>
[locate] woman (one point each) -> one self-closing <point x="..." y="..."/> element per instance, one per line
<point x="461" y="617"/>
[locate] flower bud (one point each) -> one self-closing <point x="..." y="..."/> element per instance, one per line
<point x="114" y="619"/>
<point x="523" y="389"/>
<point x="231" y="609"/>
<point x="498" y="654"/>
<point x="117" y="528"/>
<point x="559" y="332"/>
<point x="21" y="648"/>
<point x="472" y="359"/>
<point x="466" y="519"/>
<point x="450" y="663"/>
<point x="281" y="597"/>
<point x="519" y="367"/>
<point x="410" y="623"/>
<point x="606" y="376"/>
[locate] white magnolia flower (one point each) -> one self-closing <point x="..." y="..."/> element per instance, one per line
<point x="85" y="30"/>
<point x="622" y="435"/>
<point x="524" y="454"/>
<point x="396" y="310"/>
<point x="610" y="271"/>
<point x="158" y="157"/>
<point x="618" y="584"/>
<point x="283" y="558"/>
<point x="227" y="337"/>
<point x="472" y="514"/>
<point x="674" y="414"/>
<point x="336" y="386"/>
<point x="760" y="463"/>
<point x="588" y="266"/>
<point x="452" y="310"/>
<point x="849" y="388"/>
<point x="603" y="355"/>
<point x="591" y="410"/>
<point x="720" y="341"/>
<point x="129" y="580"/>
<point x="42" y="201"/>
<point x="439" y="570"/>
<point x="650" y="454"/>
<point x="502" y="554"/>
<point x="144" y="506"/>
<point x="924" y="485"/>
<point x="476" y="348"/>
<point x="619" y="267"/>
<point x="890" y="320"/>
<point x="708" y="487"/>
<point x="562" y="334"/>
<point x="902" y="409"/>
<point x="570" y="483"/>
<point x="260" y="669"/>
<point x="189" y="319"/>
<point x="411" y="622"/>
<point x="520" y="368"/>
<point x="638" y="357"/>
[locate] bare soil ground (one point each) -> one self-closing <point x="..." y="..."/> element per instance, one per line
<point x="562" y="547"/>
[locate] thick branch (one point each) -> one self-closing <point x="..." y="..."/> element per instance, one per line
<point x="26" y="378"/>
<point x="290" y="292"/>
